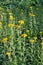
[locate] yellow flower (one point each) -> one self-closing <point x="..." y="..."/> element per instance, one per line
<point x="31" y="41"/>
<point x="18" y="26"/>
<point x="24" y="35"/>
<point x="31" y="14"/>
<point x="10" y="17"/>
<point x="4" y="40"/>
<point x="0" y="27"/>
<point x="35" y="38"/>
<point x="41" y="43"/>
<point x="8" y="53"/>
<point x="27" y="30"/>
<point x="0" y="23"/>
<point x="21" y="21"/>
<point x="10" y="36"/>
<point x="40" y="33"/>
<point x="11" y="25"/>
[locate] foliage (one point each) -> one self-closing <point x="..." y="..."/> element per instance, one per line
<point x="21" y="32"/>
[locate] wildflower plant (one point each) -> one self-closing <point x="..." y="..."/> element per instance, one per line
<point x="21" y="32"/>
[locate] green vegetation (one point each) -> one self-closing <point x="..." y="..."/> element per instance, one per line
<point x="21" y="32"/>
